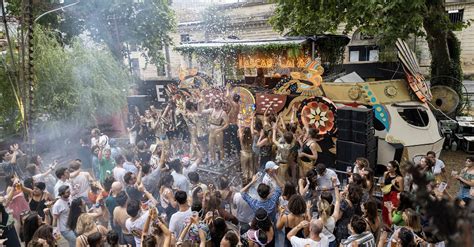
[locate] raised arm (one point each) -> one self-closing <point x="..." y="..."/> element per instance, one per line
<point x="146" y="227"/>
<point x="293" y="114"/>
<point x="99" y="155"/>
<point x="247" y="187"/>
<point x="147" y="194"/>
<point x="262" y="139"/>
<point x="277" y="180"/>
<point x="337" y="205"/>
<point x="303" y="189"/>
<point x="281" y="220"/>
<point x="252" y="124"/>
<point x="274" y="138"/>
<point x="296" y="229"/>
<point x="166" y="233"/>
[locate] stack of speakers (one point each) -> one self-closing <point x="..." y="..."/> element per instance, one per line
<point x="355" y="127"/>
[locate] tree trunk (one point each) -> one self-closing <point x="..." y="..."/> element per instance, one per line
<point x="444" y="47"/>
<point x="436" y="36"/>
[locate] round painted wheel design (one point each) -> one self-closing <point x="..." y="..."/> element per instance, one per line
<point x="319" y="113"/>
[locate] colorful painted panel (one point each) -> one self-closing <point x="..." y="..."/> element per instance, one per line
<point x="319" y="113"/>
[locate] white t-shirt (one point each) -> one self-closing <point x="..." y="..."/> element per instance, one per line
<point x="243" y="211"/>
<point x="136" y="227"/>
<point x="305" y="242"/>
<point x="81" y="185"/>
<point x="61" y="210"/>
<point x="179" y="220"/>
<point x="58" y="184"/>
<point x="102" y="141"/>
<point x="180" y="181"/>
<point x="118" y="173"/>
<point x="325" y="181"/>
<point x="437" y="168"/>
<point x="191" y="168"/>
<point x="268" y="180"/>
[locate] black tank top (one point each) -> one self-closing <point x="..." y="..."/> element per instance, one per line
<point x="388" y="180"/>
<point x="299" y="234"/>
<point x="38" y="206"/>
<point x="307" y="150"/>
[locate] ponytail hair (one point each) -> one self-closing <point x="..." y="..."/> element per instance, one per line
<point x="324" y="210"/>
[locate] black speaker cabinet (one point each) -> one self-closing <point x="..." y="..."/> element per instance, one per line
<point x="348" y="151"/>
<point x="344" y="113"/>
<point x="362" y="126"/>
<point x="344" y="124"/>
<point x="344" y="134"/>
<point x="343" y="150"/>
<point x="362" y="115"/>
<point x="363" y="137"/>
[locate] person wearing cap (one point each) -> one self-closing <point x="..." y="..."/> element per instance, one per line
<point x="218" y="121"/>
<point x="60" y="213"/>
<point x="315" y="237"/>
<point x="271" y="171"/>
<point x="266" y="201"/>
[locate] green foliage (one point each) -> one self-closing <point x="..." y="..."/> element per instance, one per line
<point x="385" y="19"/>
<point x="331" y="50"/>
<point x="9" y="117"/>
<point x="226" y="55"/>
<point x="78" y="82"/>
<point x="231" y="49"/>
<point x="113" y="22"/>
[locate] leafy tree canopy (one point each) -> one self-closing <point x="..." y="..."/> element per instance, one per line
<point x="145" y="23"/>
<point x="76" y="83"/>
<point x="385" y="19"/>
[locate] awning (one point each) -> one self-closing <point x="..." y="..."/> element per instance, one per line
<point x="234" y="42"/>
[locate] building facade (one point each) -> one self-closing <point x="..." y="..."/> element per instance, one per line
<point x="248" y="20"/>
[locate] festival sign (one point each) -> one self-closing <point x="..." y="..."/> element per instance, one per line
<point x="267" y="61"/>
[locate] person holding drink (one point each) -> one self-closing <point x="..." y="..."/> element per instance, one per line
<point x="466" y="179"/>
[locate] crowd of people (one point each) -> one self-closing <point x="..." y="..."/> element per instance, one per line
<point x="150" y="192"/>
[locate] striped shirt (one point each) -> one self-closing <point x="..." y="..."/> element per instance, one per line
<point x="365" y="239"/>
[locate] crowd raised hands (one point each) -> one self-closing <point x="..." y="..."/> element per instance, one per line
<point x="153" y="192"/>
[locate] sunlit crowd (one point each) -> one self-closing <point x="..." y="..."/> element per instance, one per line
<point x="150" y="190"/>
